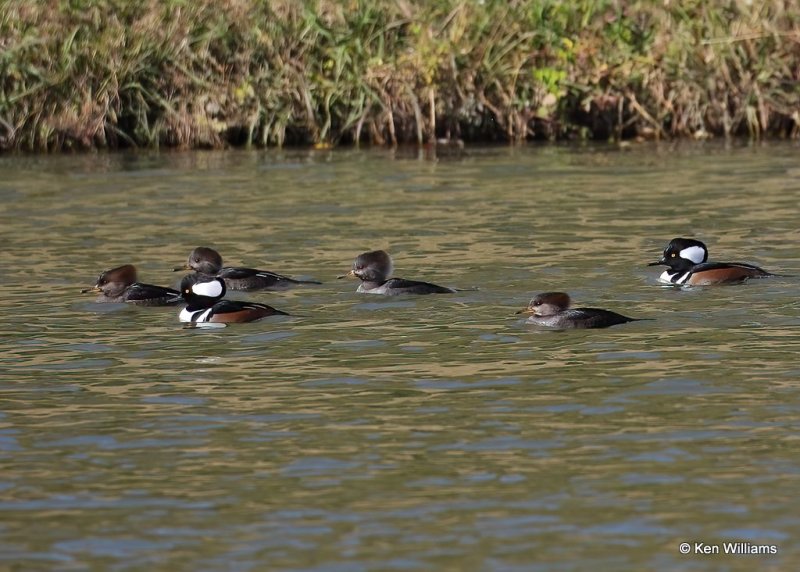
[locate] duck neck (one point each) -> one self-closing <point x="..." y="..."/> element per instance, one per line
<point x="367" y="285"/>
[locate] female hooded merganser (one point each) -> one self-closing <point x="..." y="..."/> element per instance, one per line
<point x="119" y="285"/>
<point x="374" y="268"/>
<point x="208" y="263"/>
<point x="552" y="309"/>
<point x="204" y="303"/>
<point x="686" y="259"/>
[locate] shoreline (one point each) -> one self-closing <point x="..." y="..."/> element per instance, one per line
<point x="322" y="74"/>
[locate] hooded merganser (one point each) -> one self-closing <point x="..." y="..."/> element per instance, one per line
<point x="207" y="262"/>
<point x="686" y="259"/>
<point x="552" y="309"/>
<point x="374" y="268"/>
<point x="119" y="285"/>
<point x="205" y="304"/>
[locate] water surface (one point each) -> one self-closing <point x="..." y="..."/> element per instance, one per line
<point x="412" y="433"/>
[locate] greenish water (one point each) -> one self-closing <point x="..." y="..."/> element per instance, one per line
<point x="430" y="433"/>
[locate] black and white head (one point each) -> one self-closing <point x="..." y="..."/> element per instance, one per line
<point x="203" y="260"/>
<point x="683" y="254"/>
<point x="373" y="266"/>
<point x="200" y="293"/>
<point x="547" y="304"/>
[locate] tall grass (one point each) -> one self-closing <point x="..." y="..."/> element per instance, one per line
<point x="203" y="73"/>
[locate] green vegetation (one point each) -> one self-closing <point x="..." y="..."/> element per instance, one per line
<point x="203" y="73"/>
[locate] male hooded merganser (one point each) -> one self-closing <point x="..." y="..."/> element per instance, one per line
<point x="552" y="309"/>
<point x="208" y="263"/>
<point x="374" y="268"/>
<point x="119" y="285"/>
<point x="204" y="303"/>
<point x="686" y="259"/>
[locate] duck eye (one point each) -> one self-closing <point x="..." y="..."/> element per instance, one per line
<point x="537" y="303"/>
<point x="674" y="254"/>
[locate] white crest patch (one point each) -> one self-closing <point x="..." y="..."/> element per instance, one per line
<point x="211" y="289"/>
<point x="694" y="253"/>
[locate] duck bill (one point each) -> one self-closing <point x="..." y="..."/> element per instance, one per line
<point x="527" y="310"/>
<point x="658" y="262"/>
<point x="183" y="267"/>
<point x="175" y="298"/>
<point x="92" y="289"/>
<point x="348" y="275"/>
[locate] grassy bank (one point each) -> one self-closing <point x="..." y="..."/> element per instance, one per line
<point x="202" y="73"/>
